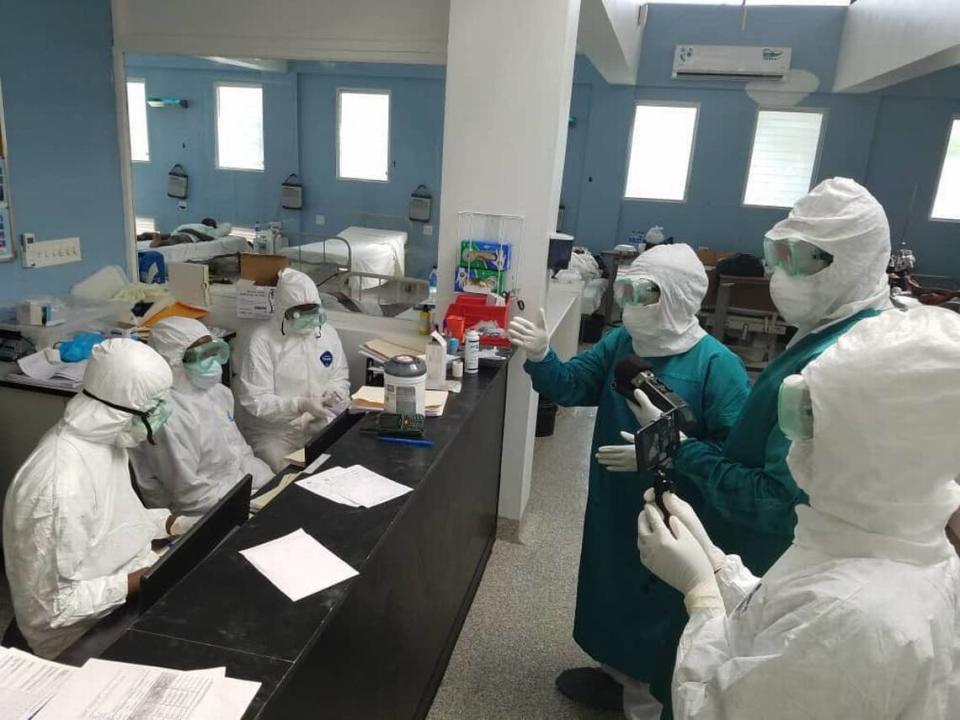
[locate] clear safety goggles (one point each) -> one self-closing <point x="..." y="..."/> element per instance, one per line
<point x="795" y="409"/>
<point x="206" y="356"/>
<point x="795" y="257"/>
<point x="307" y="314"/>
<point x="636" y="291"/>
<point x="153" y="417"/>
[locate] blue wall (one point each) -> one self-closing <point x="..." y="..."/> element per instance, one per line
<point x="300" y="137"/>
<point x="56" y="66"/>
<point x="878" y="139"/>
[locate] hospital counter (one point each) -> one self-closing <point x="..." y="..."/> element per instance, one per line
<point x="375" y="646"/>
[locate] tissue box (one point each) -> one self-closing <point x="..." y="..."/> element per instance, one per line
<point x="484" y="255"/>
<point x="484" y="282"/>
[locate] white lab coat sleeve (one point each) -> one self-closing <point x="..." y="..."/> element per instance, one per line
<point x="74" y="599"/>
<point x="257" y="391"/>
<point x="735" y="581"/>
<point x="339" y="386"/>
<point x="159" y="518"/>
<point x="815" y="663"/>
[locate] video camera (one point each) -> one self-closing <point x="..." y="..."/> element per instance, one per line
<point x="657" y="442"/>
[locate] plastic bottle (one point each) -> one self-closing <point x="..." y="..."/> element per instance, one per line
<point x="432" y="281"/>
<point x="471" y="352"/>
<point x="259" y="241"/>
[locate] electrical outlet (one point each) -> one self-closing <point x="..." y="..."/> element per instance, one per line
<point x="37" y="254"/>
<point x="428" y="229"/>
<point x="320" y="220"/>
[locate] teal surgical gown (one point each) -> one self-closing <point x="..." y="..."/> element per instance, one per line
<point x="626" y="618"/>
<point x="745" y="481"/>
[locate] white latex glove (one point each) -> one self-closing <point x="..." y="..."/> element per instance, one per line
<point x="675" y="556"/>
<point x="314" y="407"/>
<point x="645" y="412"/>
<point x="529" y="337"/>
<point x="182" y="523"/>
<point x="619" y="458"/>
<point x="687" y="515"/>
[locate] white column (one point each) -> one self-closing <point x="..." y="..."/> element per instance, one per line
<point x="509" y="77"/>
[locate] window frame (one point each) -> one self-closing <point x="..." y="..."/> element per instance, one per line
<point x="814" y="171"/>
<point x="693" y="150"/>
<point x="953" y="122"/>
<point x="336" y="139"/>
<point x="216" y="126"/>
<point x="146" y="116"/>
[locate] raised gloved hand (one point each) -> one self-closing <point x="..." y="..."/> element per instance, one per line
<point x="674" y="555"/>
<point x="681" y="509"/>
<point x="619" y="458"/>
<point x="532" y="338"/>
<point x="644" y="410"/>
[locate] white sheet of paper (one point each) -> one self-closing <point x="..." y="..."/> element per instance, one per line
<point x="355" y="486"/>
<point x="298" y="565"/>
<point x="319" y="485"/>
<point x="229" y="698"/>
<point x="312" y="467"/>
<point x="27" y="683"/>
<point x="261" y="501"/>
<point x="121" y="691"/>
<point x="72" y="371"/>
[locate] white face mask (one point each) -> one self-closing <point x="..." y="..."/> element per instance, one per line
<point x="642" y="321"/>
<point x="799" y="299"/>
<point x="205" y="380"/>
<point x="133" y="434"/>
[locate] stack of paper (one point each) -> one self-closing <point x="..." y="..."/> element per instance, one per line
<point x="298" y="565"/>
<point x="382" y="350"/>
<point x="122" y="691"/>
<point x="370" y="399"/>
<point x="354" y="486"/>
<point x="38" y="367"/>
<point x="27" y="683"/>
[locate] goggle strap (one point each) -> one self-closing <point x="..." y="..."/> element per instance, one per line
<point x="142" y="414"/>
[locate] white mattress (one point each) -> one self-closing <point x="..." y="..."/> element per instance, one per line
<point x="186" y="252"/>
<point x="592" y="298"/>
<point x="379" y="252"/>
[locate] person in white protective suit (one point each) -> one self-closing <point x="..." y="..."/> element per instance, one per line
<point x="200" y="453"/>
<point x="75" y="536"/>
<point x="294" y="378"/>
<point x="860" y="618"/>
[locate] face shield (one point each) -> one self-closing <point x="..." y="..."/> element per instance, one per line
<point x="636" y="291"/>
<point x="796" y="258"/>
<point x="145" y="423"/>
<point x="795" y="409"/>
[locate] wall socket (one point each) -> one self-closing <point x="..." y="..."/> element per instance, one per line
<point x="428" y="229"/>
<point x="320" y="220"/>
<point x="37" y="253"/>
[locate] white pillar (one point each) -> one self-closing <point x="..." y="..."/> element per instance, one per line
<point x="509" y="77"/>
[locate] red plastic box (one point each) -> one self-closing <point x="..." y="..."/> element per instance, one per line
<point x="474" y="309"/>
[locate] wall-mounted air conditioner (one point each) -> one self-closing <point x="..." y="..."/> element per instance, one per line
<point x="736" y="62"/>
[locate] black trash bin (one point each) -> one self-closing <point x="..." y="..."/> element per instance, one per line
<point x="546" y="417"/>
<point x="591" y="328"/>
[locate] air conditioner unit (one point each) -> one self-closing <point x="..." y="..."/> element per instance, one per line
<point x="737" y="62"/>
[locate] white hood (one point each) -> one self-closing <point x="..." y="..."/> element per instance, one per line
<point x="123" y="372"/>
<point x="884" y="453"/>
<point x="171" y="338"/>
<point x="671" y="325"/>
<point x="841" y="217"/>
<point x="294" y="288"/>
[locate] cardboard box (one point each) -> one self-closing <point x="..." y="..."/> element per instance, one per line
<point x="257" y="286"/>
<point x="481" y="282"/>
<point x="484" y="255"/>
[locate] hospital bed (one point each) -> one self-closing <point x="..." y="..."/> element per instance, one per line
<point x="368" y="255"/>
<point x="199" y="251"/>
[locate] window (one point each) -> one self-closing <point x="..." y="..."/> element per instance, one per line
<point x="363" y="135"/>
<point x="946" y="205"/>
<point x="137" y="119"/>
<point x="661" y="150"/>
<point x="786" y="144"/>
<point x="145" y="224"/>
<point x="239" y="127"/>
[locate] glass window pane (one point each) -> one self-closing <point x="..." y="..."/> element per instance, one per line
<point x="784" y="155"/>
<point x="946" y="206"/>
<point x="363" y="135"/>
<point x="240" y="127"/>
<point x="660" y="152"/>
<point x="137" y="117"/>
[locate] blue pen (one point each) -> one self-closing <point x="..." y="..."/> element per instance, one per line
<point x="406" y="441"/>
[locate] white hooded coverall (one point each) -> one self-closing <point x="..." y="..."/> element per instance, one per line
<point x="200" y="453"/>
<point x="282" y="367"/>
<point x="860" y="618"/>
<point x="73" y="528"/>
